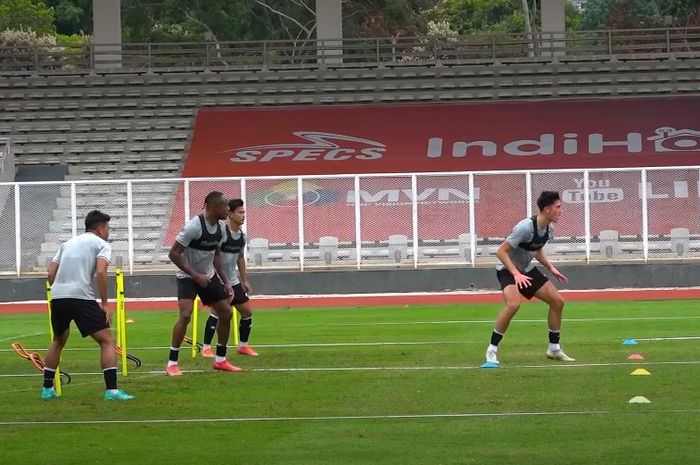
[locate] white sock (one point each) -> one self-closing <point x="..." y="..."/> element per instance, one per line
<point x="554" y="347"/>
<point x="206" y="346"/>
<point x="171" y="363"/>
<point x="112" y="391"/>
<point x="493" y="348"/>
<point x="219" y="359"/>
<point x="242" y="344"/>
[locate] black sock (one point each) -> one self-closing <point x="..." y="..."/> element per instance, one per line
<point x="496" y="338"/>
<point x="221" y="350"/>
<point x="244" y="328"/>
<point x="210" y="329"/>
<point x="554" y="337"/>
<point x="174" y="354"/>
<point x="110" y="375"/>
<point x="49" y="376"/>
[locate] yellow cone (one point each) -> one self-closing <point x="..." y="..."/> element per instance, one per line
<point x="640" y="372"/>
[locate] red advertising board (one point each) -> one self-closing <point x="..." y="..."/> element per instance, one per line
<point x="445" y="137"/>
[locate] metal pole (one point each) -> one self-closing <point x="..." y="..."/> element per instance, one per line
<point x="528" y="193"/>
<point x="18" y="233"/>
<point x="645" y="216"/>
<point x="130" y="224"/>
<point x="300" y="214"/>
<point x="587" y="215"/>
<point x="74" y="209"/>
<point x="414" y="215"/>
<point x="244" y="196"/>
<point x="187" y="200"/>
<point x="472" y="218"/>
<point x="358" y="224"/>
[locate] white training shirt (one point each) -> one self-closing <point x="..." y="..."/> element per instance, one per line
<point x="76" y="266"/>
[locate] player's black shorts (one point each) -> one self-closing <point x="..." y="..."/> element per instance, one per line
<point x="239" y="295"/>
<point x="538" y="280"/>
<point x="214" y="292"/>
<point x="88" y="316"/>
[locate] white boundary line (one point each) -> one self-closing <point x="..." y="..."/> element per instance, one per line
<point x="390" y="368"/>
<point x="675" y="338"/>
<point x="392" y="294"/>
<point x="409" y="416"/>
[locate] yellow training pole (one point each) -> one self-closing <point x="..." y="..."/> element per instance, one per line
<point x="121" y="320"/>
<point x="195" y="326"/>
<point x="57" y="378"/>
<point x="235" y="317"/>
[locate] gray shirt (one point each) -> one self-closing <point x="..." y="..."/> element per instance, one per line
<point x="230" y="260"/>
<point x="201" y="261"/>
<point x="76" y="266"/>
<point x="524" y="231"/>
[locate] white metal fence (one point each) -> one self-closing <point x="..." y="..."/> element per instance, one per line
<point x="369" y="220"/>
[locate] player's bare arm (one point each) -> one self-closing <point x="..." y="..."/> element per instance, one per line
<point x="101" y="278"/>
<point x="53" y="269"/>
<point x="243" y="272"/>
<point x="176" y="257"/>
<point x="542" y="258"/>
<point x="520" y="279"/>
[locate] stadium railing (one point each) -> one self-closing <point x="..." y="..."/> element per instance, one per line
<point x="368" y="220"/>
<point x="404" y="51"/>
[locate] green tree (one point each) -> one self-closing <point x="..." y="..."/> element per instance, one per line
<point x="474" y="16"/>
<point x="72" y="16"/>
<point x="632" y="14"/>
<point x="31" y="15"/>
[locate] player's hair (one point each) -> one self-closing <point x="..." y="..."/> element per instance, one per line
<point x="233" y="204"/>
<point x="213" y="197"/>
<point x="94" y="219"/>
<point x="547" y="198"/>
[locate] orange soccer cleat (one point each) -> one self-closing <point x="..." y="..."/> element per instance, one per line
<point x="247" y="351"/>
<point x="225" y="366"/>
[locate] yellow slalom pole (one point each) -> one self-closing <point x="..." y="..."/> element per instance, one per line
<point x="235" y="317"/>
<point x="195" y="326"/>
<point x="57" y="378"/>
<point x="121" y="320"/>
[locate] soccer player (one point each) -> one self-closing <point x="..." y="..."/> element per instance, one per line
<point x="72" y="299"/>
<point x="233" y="260"/>
<point x="196" y="252"/>
<point x="518" y="276"/>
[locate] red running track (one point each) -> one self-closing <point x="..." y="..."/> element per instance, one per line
<point x="385" y="300"/>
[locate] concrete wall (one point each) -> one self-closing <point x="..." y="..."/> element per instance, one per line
<point x="685" y="274"/>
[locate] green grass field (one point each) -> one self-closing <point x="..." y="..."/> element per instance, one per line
<point x="373" y="386"/>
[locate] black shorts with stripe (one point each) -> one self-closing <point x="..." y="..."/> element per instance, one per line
<point x="214" y="292"/>
<point x="538" y="280"/>
<point x="87" y="314"/>
<point x="240" y="296"/>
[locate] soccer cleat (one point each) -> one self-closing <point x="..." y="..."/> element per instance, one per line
<point x="49" y="393"/>
<point x="492" y="356"/>
<point x="207" y="352"/>
<point x="559" y="355"/>
<point x="173" y="370"/>
<point x="247" y="351"/>
<point x="225" y="366"/>
<point x="118" y="395"/>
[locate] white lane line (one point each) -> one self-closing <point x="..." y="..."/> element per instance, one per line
<point x="20" y="336"/>
<point x="391" y="368"/>
<point x="409" y="416"/>
<point x="281" y="346"/>
<point x="675" y="338"/>
<point x="455" y="322"/>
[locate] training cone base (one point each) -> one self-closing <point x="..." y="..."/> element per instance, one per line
<point x="640" y="372"/>
<point x="635" y="357"/>
<point x="639" y="400"/>
<point x="629" y="342"/>
<point x="490" y="365"/>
